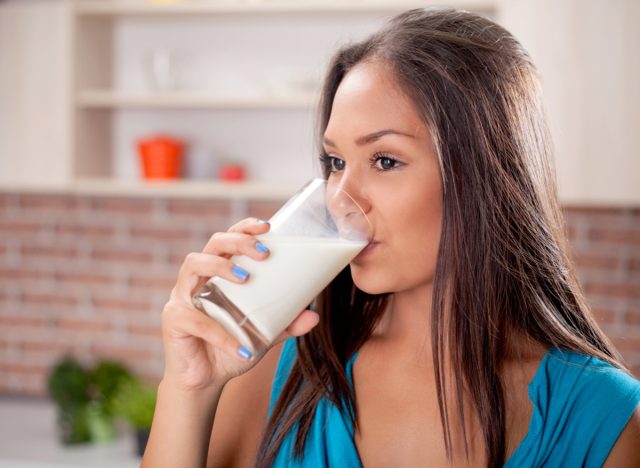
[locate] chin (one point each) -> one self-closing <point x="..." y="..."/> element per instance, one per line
<point x="369" y="281"/>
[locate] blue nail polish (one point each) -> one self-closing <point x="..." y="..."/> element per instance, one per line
<point x="240" y="272"/>
<point x="260" y="247"/>
<point x="244" y="353"/>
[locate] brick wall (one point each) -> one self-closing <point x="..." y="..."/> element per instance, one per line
<point x="89" y="275"/>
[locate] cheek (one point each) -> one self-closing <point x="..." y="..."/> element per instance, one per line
<point x="408" y="257"/>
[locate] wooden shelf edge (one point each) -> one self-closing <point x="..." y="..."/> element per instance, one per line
<point x="221" y="7"/>
<point x="108" y="99"/>
<point x="180" y="189"/>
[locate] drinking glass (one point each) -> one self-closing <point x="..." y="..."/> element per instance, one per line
<point x="314" y="236"/>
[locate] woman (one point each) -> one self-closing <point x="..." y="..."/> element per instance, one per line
<point x="460" y="336"/>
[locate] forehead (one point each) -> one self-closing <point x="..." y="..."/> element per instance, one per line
<point x="369" y="99"/>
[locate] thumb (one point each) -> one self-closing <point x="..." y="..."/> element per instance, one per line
<point x="302" y="325"/>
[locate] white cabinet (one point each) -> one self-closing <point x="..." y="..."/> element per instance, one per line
<point x="35" y="93"/>
<point x="248" y="76"/>
<point x="247" y="85"/>
<point x="76" y="93"/>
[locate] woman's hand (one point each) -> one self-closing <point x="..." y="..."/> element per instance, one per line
<point x="198" y="351"/>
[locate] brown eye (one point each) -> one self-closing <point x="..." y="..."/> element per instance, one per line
<point x="384" y="163"/>
<point x="336" y="164"/>
<point x="331" y="164"/>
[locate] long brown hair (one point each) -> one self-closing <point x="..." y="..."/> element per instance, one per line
<point x="502" y="267"/>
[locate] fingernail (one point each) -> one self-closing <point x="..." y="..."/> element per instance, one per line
<point x="263" y="221"/>
<point x="240" y="272"/>
<point x="260" y="247"/>
<point x="244" y="353"/>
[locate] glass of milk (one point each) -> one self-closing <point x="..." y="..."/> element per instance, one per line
<point x="315" y="235"/>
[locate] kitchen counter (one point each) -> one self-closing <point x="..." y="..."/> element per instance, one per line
<point x="29" y="439"/>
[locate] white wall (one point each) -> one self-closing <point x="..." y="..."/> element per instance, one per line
<point x="34" y="91"/>
<point x="588" y="54"/>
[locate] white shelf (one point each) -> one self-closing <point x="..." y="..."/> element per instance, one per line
<point x="221" y="7"/>
<point x="187" y="189"/>
<point x="179" y="100"/>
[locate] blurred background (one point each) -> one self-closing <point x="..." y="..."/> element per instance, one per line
<point x="131" y="130"/>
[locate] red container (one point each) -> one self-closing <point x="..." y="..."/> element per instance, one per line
<point x="161" y="157"/>
<point x="232" y="172"/>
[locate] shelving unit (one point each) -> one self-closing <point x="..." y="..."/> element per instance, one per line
<point x="97" y="66"/>
<point x="106" y="105"/>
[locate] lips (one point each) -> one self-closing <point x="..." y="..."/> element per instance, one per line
<point x="371" y="246"/>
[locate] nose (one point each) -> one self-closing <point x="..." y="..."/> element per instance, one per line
<point x="355" y="189"/>
<point x="348" y="207"/>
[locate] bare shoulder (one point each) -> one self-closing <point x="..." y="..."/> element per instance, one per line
<point x="517" y="373"/>
<point x="625" y="451"/>
<point x="241" y="414"/>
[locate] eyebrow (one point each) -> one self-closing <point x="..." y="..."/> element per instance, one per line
<point x="371" y="137"/>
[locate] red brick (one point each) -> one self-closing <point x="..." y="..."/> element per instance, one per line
<point x="22" y="274"/>
<point x="626" y="344"/>
<point x="571" y="233"/>
<point x="48" y="299"/>
<point x="632" y="317"/>
<point x="264" y="210"/>
<point x="53" y="251"/>
<point x="159" y="233"/>
<point x="117" y="304"/>
<point x="48" y="202"/>
<point x="599" y="262"/>
<point x="121" y="353"/>
<point x="85" y="230"/>
<point x="165" y="283"/>
<point x="84" y="278"/>
<point x="22" y="368"/>
<point x="21" y="321"/>
<point x="84" y="325"/>
<point x="604" y="316"/>
<point x="202" y="209"/>
<point x="18" y="227"/>
<point x="590" y="211"/>
<point x="122" y="255"/>
<point x="122" y="206"/>
<point x="55" y="347"/>
<point x="146" y="331"/>
<point x="175" y="260"/>
<point x="619" y="236"/>
<point x="634" y="265"/>
<point x="623" y="290"/>
<point x="34" y="388"/>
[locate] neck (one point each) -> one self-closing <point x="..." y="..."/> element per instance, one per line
<point x="407" y="320"/>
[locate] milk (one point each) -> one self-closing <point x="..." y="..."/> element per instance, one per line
<point x="280" y="287"/>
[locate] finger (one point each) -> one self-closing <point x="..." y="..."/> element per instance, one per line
<point x="198" y="268"/>
<point x="302" y="325"/>
<point x="184" y="320"/>
<point x="251" y="226"/>
<point x="227" y="244"/>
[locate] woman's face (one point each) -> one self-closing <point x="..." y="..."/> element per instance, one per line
<point x="380" y="152"/>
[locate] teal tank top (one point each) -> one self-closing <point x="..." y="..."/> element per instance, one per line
<point x="580" y="407"/>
